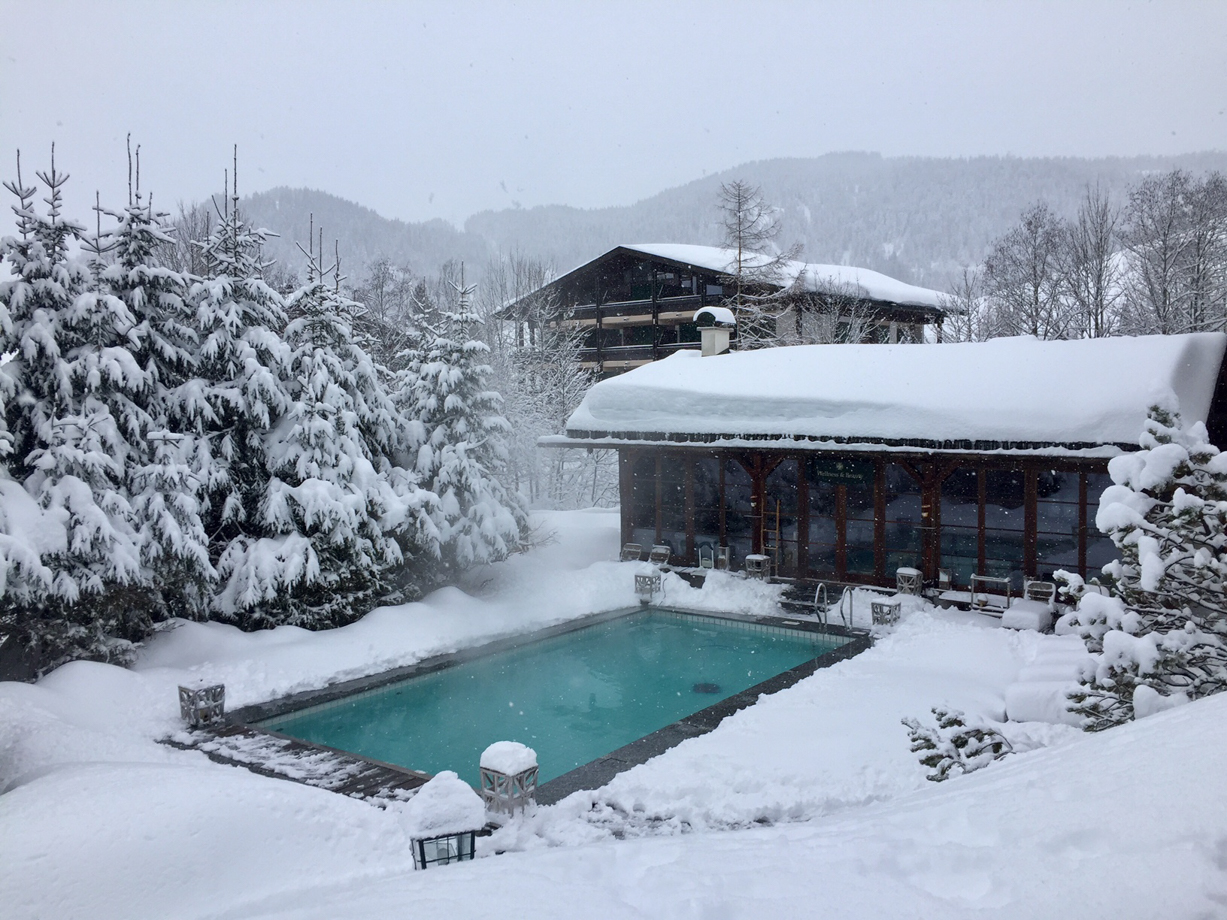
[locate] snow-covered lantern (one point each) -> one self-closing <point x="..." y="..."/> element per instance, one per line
<point x="443" y="819"/>
<point x="508" y="777"/>
<point x="715" y="325"/>
<point x="202" y="705"/>
<point x="909" y="580"/>
<point x="647" y="587"/>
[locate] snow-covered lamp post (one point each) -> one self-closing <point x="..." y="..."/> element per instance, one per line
<point x="508" y="777"/>
<point x="443" y="818"/>
<point x="202" y="705"/>
<point x="715" y="325"/>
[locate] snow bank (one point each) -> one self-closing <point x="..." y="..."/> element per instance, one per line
<point x="1012" y="389"/>
<point x="1038" y="694"/>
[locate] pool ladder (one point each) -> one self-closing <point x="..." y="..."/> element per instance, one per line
<point x="822" y="605"/>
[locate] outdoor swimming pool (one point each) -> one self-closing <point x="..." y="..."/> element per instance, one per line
<point x="574" y="697"/>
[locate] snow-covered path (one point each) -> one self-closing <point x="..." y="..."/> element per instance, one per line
<point x="807" y="804"/>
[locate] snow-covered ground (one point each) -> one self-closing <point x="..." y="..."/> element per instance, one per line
<point x="807" y="804"/>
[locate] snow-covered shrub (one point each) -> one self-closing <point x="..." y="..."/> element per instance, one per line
<point x="954" y="746"/>
<point x="1162" y="631"/>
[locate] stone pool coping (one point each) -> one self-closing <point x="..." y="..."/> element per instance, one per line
<point x="598" y="772"/>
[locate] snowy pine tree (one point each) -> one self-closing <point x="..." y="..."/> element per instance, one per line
<point x="77" y="403"/>
<point x="1161" y="636"/>
<point x="244" y="380"/>
<point x="463" y="449"/>
<point x="334" y="493"/>
<point x="165" y="475"/>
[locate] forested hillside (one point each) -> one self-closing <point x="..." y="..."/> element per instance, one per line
<point x="916" y="218"/>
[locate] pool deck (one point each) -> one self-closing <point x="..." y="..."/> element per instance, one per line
<point x="239" y="742"/>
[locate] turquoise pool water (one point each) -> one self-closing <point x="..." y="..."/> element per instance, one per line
<point x="573" y="698"/>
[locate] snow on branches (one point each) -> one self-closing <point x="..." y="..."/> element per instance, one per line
<point x="174" y="445"/>
<point x="954" y="746"/>
<point x="1160" y="635"/>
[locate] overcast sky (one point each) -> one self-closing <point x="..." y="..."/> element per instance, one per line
<point x="423" y="110"/>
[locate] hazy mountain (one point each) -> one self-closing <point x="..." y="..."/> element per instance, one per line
<point x="363" y="234"/>
<point x="916" y="218"/>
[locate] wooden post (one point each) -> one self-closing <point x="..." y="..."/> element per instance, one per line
<point x="841" y="532"/>
<point x="626" y="487"/>
<point x="879" y="521"/>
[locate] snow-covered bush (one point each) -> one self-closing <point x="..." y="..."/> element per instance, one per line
<point x="1162" y="630"/>
<point x="954" y="746"/>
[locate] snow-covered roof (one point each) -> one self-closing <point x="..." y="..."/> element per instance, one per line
<point x="817" y="278"/>
<point x="1011" y="393"/>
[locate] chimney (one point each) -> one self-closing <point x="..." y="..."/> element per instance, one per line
<point x="715" y="325"/>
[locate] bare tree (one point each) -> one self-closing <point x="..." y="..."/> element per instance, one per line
<point x="1023" y="280"/>
<point x="1090" y="267"/>
<point x="758" y="267"/>
<point x="967" y="317"/>
<point x="1156" y="238"/>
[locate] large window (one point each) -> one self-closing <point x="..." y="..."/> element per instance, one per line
<point x="859" y="527"/>
<point x="1004" y="524"/>
<point x="706" y="503"/>
<point x="673" y="503"/>
<point x="1057" y="521"/>
<point x="780" y="516"/>
<point x="823" y="533"/>
<point x="738" y="512"/>
<point x="643" y="501"/>
<point x="903" y="522"/>
<point x="960" y="524"/>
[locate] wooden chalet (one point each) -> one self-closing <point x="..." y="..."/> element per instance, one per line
<point x="638" y="302"/>
<point x="847" y="462"/>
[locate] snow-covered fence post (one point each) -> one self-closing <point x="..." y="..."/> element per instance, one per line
<point x="509" y="777"/>
<point x="443" y="819"/>
<point x="202" y="705"/>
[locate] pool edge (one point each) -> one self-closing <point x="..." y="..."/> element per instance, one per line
<point x="596" y="773"/>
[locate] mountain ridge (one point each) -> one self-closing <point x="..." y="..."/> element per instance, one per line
<point x="918" y="219"/>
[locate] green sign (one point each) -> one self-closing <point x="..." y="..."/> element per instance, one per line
<point x="850" y="472"/>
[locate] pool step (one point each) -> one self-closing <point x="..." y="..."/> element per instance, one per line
<point x="281" y="757"/>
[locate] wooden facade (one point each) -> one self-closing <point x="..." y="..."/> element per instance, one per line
<point x="858" y="515"/>
<point x="635" y="307"/>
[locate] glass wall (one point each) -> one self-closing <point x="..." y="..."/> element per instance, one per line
<point x="823" y="535"/>
<point x="643" y="501"/>
<point x="738" y="512"/>
<point x="1004" y="524"/>
<point x="706" y="504"/>
<point x="780" y="511"/>
<point x="859" y="528"/>
<point x="673" y="503"/>
<point x="960" y="525"/>
<point x="903" y="521"/>
<point x="1056" y="516"/>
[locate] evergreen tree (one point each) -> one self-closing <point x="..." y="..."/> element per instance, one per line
<point x="165" y="475"/>
<point x="463" y="449"/>
<point x="76" y="408"/>
<point x="333" y="483"/>
<point x="244" y="391"/>
<point x="1164" y="628"/>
